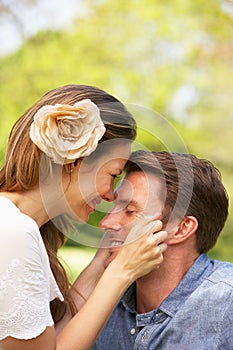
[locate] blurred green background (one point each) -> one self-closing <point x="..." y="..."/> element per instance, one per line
<point x="172" y="59"/>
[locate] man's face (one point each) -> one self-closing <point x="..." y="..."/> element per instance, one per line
<point x="138" y="195"/>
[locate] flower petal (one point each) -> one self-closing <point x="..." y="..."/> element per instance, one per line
<point x="65" y="132"/>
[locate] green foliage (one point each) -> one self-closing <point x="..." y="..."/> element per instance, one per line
<point x="75" y="259"/>
<point x="171" y="57"/>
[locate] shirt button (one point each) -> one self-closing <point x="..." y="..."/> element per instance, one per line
<point x="144" y="337"/>
<point x="132" y="331"/>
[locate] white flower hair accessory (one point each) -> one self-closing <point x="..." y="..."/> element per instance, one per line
<point x="65" y="133"/>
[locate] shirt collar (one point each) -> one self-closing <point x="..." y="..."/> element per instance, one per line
<point x="129" y="299"/>
<point x="201" y="268"/>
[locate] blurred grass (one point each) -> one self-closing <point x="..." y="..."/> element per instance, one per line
<point x="75" y="259"/>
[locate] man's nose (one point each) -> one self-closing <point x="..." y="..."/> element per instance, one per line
<point x="110" y="221"/>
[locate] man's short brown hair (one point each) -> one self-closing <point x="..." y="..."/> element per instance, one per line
<point x="193" y="187"/>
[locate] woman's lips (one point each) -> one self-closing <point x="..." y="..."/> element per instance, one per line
<point x="94" y="202"/>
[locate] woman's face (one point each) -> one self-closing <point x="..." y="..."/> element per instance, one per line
<point x="93" y="180"/>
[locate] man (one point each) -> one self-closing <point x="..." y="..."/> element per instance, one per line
<point x="186" y="304"/>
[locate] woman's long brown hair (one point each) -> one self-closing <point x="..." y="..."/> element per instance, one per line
<point x="20" y="171"/>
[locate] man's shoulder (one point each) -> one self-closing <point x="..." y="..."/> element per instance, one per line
<point x="222" y="273"/>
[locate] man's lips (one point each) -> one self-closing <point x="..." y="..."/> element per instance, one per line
<point x="114" y="238"/>
<point x="115" y="244"/>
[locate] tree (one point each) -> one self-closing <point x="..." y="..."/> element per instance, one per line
<point x="174" y="58"/>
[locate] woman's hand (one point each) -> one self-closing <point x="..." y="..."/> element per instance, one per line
<point x="141" y="253"/>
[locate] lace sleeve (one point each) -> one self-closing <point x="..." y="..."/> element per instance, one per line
<point x="25" y="284"/>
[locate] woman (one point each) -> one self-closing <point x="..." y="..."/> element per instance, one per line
<point x="62" y="157"/>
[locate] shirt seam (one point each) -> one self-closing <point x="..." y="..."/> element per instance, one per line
<point x="222" y="322"/>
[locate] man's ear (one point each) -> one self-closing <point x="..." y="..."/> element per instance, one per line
<point x="186" y="228"/>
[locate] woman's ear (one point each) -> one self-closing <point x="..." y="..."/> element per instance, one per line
<point x="187" y="227"/>
<point x="69" y="168"/>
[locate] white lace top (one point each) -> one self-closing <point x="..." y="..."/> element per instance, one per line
<point x="27" y="284"/>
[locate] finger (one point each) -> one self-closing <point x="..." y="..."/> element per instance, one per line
<point x="160" y="236"/>
<point x="150" y="228"/>
<point x="153" y="226"/>
<point x="158" y="225"/>
<point x="162" y="247"/>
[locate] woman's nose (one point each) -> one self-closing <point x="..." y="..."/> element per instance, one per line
<point x="109" y="196"/>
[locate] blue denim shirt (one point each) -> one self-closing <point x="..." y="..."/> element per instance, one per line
<point x="197" y="315"/>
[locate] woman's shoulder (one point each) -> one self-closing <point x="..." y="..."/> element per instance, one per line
<point x="24" y="275"/>
<point x="19" y="234"/>
<point x="13" y="221"/>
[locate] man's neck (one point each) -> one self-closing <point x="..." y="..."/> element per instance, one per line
<point x="152" y="289"/>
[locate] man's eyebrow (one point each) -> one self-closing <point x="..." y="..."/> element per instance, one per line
<point x="125" y="202"/>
